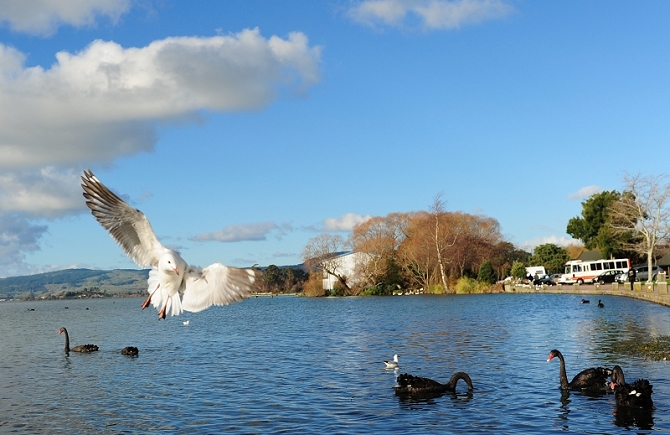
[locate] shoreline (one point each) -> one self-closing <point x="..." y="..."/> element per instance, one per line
<point x="656" y="292"/>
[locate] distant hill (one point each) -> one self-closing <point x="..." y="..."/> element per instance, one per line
<point x="53" y="284"/>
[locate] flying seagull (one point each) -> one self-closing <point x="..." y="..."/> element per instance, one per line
<point x="170" y="275"/>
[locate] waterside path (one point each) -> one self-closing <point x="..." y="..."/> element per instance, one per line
<point x="651" y="291"/>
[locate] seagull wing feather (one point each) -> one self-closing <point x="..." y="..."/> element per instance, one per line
<point x="128" y="226"/>
<point x="217" y="285"/>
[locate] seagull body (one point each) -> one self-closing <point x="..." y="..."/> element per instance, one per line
<point x="392" y="364"/>
<point x="170" y="275"/>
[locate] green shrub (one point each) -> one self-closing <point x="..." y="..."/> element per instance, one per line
<point x="518" y="270"/>
<point x="435" y="289"/>
<point x="380" y="290"/>
<point x="338" y="289"/>
<point x="467" y="285"/>
<point x="486" y="273"/>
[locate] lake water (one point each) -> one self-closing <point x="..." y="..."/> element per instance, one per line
<point x="299" y="365"/>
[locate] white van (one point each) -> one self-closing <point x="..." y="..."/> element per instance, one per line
<point x="539" y="270"/>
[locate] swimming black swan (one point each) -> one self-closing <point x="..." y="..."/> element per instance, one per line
<point x="635" y="395"/>
<point x="600" y="304"/>
<point x="409" y="385"/>
<point x="130" y="351"/>
<point x="589" y="379"/>
<point x="81" y="348"/>
<point x="586" y="301"/>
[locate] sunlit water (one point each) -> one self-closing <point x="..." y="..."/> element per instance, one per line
<point x="299" y="365"/>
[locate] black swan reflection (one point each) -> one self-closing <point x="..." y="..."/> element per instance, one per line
<point x="85" y="348"/>
<point x="593" y="379"/>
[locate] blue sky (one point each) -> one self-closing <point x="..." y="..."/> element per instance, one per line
<point x="242" y="129"/>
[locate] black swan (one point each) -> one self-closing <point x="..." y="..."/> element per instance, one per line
<point x="600" y="304"/>
<point x="635" y="395"/>
<point x="81" y="348"/>
<point x="416" y="386"/>
<point x="589" y="379"/>
<point x="130" y="351"/>
<point x="586" y="301"/>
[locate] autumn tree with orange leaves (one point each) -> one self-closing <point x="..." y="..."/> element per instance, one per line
<point x="430" y="248"/>
<point x="380" y="237"/>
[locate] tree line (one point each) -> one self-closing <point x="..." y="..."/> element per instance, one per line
<point x="429" y="250"/>
<point x="440" y="251"/>
<point x="634" y="223"/>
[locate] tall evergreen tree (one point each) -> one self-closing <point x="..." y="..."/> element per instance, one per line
<point x="592" y="227"/>
<point x="551" y="256"/>
<point x="486" y="273"/>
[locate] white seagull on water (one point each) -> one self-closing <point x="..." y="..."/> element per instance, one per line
<point x="170" y="275"/>
<point x="392" y="364"/>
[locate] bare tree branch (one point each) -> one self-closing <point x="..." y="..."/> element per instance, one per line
<point x="643" y="213"/>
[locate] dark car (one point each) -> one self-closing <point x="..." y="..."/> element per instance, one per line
<point x="609" y="276"/>
<point x="544" y="279"/>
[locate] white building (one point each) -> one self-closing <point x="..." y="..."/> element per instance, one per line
<point x="344" y="264"/>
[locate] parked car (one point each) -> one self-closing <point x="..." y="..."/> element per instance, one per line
<point x="544" y="279"/>
<point x="555" y="277"/>
<point x="609" y="276"/>
<point x="643" y="273"/>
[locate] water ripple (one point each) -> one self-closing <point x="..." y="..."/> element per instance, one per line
<point x="287" y="365"/>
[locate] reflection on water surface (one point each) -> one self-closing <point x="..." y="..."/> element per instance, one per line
<point x="290" y="364"/>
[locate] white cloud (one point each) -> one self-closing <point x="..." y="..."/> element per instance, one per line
<point x="26" y="196"/>
<point x="585" y="192"/>
<point x="106" y="101"/>
<point x="43" y="17"/>
<point x="17" y="237"/>
<point x="530" y="245"/>
<point x="239" y="233"/>
<point x="46" y="193"/>
<point x="432" y="14"/>
<point x="345" y="223"/>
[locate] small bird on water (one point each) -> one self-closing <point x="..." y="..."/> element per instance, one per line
<point x="392" y="364"/>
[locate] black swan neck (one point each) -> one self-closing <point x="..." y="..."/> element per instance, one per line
<point x="460" y="375"/>
<point x="562" y="374"/>
<point x="67" y="340"/>
<point x="618" y="376"/>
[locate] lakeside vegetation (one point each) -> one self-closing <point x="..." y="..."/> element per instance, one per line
<point x="656" y="349"/>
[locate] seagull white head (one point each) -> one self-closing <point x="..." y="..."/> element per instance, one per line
<point x="171" y="262"/>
